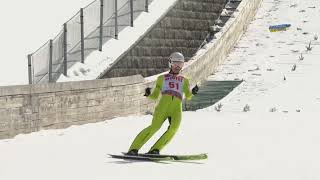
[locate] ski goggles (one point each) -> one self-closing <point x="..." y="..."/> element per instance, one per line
<point x="177" y="64"/>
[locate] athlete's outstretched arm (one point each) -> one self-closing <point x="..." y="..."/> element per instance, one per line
<point x="186" y="89"/>
<point x="156" y="92"/>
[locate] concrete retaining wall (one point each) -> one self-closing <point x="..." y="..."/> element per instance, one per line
<point x="29" y="108"/>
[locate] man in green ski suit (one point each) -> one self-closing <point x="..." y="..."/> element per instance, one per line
<point x="172" y="86"/>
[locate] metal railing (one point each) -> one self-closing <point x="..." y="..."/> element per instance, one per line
<point x="85" y="32"/>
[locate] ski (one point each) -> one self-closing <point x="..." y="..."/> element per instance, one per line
<point x="140" y="158"/>
<point x="201" y="156"/>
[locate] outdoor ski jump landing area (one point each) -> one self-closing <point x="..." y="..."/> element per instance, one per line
<point x="29" y="108"/>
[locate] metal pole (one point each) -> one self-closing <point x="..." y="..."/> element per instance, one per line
<point x="65" y="49"/>
<point x="50" y="62"/>
<point x="29" y="68"/>
<point x="147" y="6"/>
<point x="116" y="19"/>
<point x="131" y="12"/>
<point x="82" y="35"/>
<point x="101" y="25"/>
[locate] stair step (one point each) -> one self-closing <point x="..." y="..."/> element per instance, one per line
<point x="200" y="6"/>
<point x="186" y="23"/>
<point x="193" y="14"/>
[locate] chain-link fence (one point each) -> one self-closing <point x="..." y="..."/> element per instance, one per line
<point x="85" y="32"/>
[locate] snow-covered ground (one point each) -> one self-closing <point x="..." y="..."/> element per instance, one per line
<point x="278" y="138"/>
<point x="25" y="27"/>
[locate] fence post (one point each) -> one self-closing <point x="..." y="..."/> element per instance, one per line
<point x="101" y="25"/>
<point x="82" y="35"/>
<point x="131" y="12"/>
<point x="29" y="68"/>
<point x="116" y="19"/>
<point x="65" y="49"/>
<point x="50" y="62"/>
<point x="147" y="6"/>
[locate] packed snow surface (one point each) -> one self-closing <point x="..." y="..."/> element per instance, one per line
<point x="268" y="127"/>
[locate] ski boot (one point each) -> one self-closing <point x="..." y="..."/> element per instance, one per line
<point x="154" y="151"/>
<point x="132" y="152"/>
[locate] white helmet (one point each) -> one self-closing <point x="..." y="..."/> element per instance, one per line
<point x="175" y="57"/>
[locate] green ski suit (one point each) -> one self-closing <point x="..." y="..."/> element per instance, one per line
<point x="172" y="88"/>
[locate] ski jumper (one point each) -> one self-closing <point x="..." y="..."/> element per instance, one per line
<point x="171" y="88"/>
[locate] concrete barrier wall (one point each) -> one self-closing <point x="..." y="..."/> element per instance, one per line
<point x="29" y="108"/>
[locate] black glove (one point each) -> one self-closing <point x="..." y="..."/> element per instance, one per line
<point x="147" y="91"/>
<point x="195" y="90"/>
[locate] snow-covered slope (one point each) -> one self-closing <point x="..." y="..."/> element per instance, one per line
<point x="269" y="63"/>
<point x="276" y="139"/>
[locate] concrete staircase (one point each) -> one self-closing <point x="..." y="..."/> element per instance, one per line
<point x="185" y="28"/>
